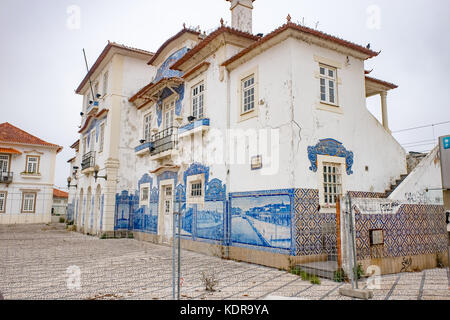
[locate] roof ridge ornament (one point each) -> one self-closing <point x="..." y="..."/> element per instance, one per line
<point x="221" y="22"/>
<point x="288" y="18"/>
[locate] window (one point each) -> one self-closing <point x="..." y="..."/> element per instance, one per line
<point x="105" y="83"/>
<point x="28" y="202"/>
<point x="147" y="127"/>
<point x="168" y="200"/>
<point x="248" y="94"/>
<point x="376" y="237"/>
<point x="92" y="141"/>
<point x="328" y="84"/>
<point x="32" y="165"/>
<point x="169" y="114"/>
<point x="196" y="189"/>
<point x="198" y="100"/>
<point x="144" y="193"/>
<point x="332" y="182"/>
<point x="102" y="137"/>
<point x="4" y="163"/>
<point x="84" y="145"/>
<point x="3" y="201"/>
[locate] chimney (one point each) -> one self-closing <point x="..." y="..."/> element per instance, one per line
<point x="241" y="14"/>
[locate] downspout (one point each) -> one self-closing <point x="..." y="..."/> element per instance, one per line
<point x="227" y="159"/>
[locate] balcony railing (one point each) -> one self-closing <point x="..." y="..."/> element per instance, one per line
<point x="164" y="141"/>
<point x="6" y="177"/>
<point x="88" y="160"/>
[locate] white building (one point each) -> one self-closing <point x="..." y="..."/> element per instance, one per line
<point x="226" y="123"/>
<point x="59" y="207"/>
<point x="27" y="174"/>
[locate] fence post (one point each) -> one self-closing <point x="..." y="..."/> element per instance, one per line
<point x="338" y="232"/>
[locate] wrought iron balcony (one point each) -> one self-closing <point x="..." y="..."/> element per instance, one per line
<point x="6" y="177"/>
<point x="88" y="160"/>
<point x="164" y="141"/>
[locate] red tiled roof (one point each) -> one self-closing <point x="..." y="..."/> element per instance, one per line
<point x="208" y="39"/>
<point x="103" y="55"/>
<point x="12" y="134"/>
<point x="313" y="32"/>
<point x="10" y="151"/>
<point x="165" y="44"/>
<point x="60" y="194"/>
<point x="384" y="83"/>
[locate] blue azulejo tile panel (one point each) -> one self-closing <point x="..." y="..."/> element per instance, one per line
<point x="262" y="219"/>
<point x="210" y="221"/>
<point x="414" y="230"/>
<point x="187" y="219"/>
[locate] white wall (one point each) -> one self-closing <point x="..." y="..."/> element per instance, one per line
<point x="426" y="175"/>
<point x="41" y="184"/>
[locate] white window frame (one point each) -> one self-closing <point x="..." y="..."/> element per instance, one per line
<point x="147" y="126"/>
<point x="247" y="88"/>
<point x="102" y="138"/>
<point x="34" y="165"/>
<point x="325" y="80"/>
<point x="3" y="199"/>
<point x="92" y="141"/>
<point x="29" y="205"/>
<point x="5" y="158"/>
<point x="198" y="100"/>
<point x="194" y="180"/>
<point x="169" y="112"/>
<point x="196" y="189"/>
<point x="84" y="145"/>
<point x="337" y="161"/>
<point x="144" y="201"/>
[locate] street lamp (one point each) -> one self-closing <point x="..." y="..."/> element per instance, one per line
<point x="96" y="176"/>
<point x="69" y="180"/>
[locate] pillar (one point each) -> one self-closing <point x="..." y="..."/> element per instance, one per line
<point x="384" y="111"/>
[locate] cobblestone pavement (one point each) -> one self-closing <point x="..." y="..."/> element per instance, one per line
<point x="38" y="262"/>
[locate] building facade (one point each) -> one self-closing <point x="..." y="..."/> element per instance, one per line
<point x="27" y="174"/>
<point x="245" y="135"/>
<point x="59" y="207"/>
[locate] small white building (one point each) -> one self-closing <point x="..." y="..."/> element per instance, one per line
<point x="59" y="207"/>
<point x="27" y="174"/>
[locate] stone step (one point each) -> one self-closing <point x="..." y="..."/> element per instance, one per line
<point x="322" y="269"/>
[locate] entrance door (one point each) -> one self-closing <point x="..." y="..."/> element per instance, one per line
<point x="166" y="212"/>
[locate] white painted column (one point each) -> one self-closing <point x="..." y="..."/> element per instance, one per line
<point x="384" y="111"/>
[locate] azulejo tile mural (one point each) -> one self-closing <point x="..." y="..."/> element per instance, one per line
<point x="330" y="147"/>
<point x="413" y="230"/>
<point x="310" y="237"/>
<point x="262" y="219"/>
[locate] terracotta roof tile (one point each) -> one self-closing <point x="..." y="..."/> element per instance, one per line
<point x="384" y="83"/>
<point x="102" y="56"/>
<point x="12" y="134"/>
<point x="10" y="151"/>
<point x="60" y="194"/>
<point x="313" y="32"/>
<point x="208" y="39"/>
<point x="165" y="44"/>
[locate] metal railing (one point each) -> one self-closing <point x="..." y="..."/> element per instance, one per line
<point x="164" y="140"/>
<point x="88" y="160"/>
<point x="6" y="177"/>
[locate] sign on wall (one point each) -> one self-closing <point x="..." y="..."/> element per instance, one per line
<point x="444" y="145"/>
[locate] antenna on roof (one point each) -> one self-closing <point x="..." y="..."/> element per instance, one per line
<point x="87" y="68"/>
<point x="317" y="24"/>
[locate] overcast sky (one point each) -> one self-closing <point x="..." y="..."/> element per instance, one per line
<point x="41" y="53"/>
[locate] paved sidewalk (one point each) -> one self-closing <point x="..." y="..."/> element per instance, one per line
<point x="38" y="262"/>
